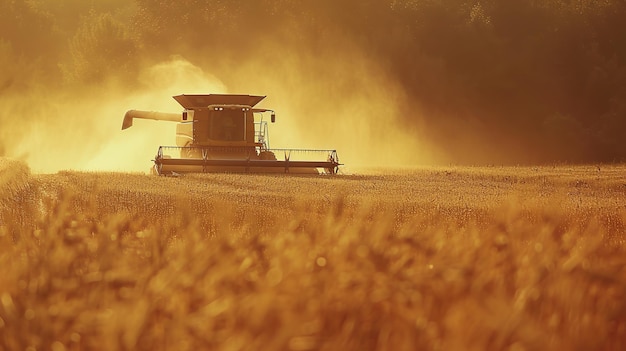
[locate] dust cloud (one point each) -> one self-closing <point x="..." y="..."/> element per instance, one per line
<point x="354" y="109"/>
<point x="81" y="130"/>
<point x="321" y="104"/>
<point x="328" y="94"/>
<point x="390" y="83"/>
<point x="133" y="148"/>
<point x="343" y="102"/>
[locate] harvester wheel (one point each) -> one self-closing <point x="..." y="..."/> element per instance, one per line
<point x="332" y="170"/>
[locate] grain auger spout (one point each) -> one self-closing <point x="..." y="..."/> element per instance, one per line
<point x="157" y="116"/>
<point x="226" y="133"/>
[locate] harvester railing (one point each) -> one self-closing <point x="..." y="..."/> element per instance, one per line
<point x="206" y="158"/>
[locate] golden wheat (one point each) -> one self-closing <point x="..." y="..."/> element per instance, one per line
<point x="437" y="259"/>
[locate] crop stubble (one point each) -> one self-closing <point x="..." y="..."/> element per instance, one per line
<point x="434" y="258"/>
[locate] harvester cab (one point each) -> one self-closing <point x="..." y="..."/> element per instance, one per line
<point x="226" y="133"/>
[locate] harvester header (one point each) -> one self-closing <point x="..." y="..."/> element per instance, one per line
<point x="226" y="133"/>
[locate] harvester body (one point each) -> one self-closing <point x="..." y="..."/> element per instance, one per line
<point x="225" y="133"/>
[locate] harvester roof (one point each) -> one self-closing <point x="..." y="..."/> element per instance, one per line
<point x="197" y="101"/>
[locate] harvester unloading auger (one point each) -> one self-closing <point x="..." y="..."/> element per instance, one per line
<point x="219" y="133"/>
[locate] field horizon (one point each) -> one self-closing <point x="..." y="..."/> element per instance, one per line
<point x="433" y="258"/>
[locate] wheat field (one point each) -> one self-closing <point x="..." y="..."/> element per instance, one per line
<point x="441" y="258"/>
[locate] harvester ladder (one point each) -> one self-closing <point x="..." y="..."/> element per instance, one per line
<point x="261" y="135"/>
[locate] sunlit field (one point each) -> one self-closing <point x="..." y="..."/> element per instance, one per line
<point x="447" y="258"/>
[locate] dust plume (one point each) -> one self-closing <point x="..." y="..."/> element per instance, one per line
<point x="133" y="148"/>
<point x="355" y="111"/>
<point x="384" y="82"/>
<point x="342" y="101"/>
<point x="331" y="95"/>
<point x="81" y="130"/>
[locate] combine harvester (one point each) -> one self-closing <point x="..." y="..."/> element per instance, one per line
<point x="225" y="133"/>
